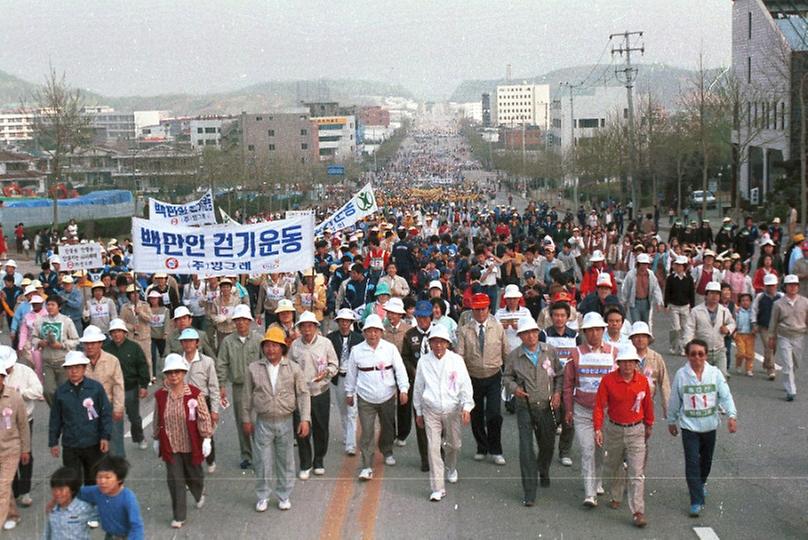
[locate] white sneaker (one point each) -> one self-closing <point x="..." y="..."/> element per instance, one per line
<point x="399" y="442"/>
<point x="558" y="430"/>
<point x="437" y="495"/>
<point x="567" y="462"/>
<point x="304" y="474"/>
<point x="350" y="451"/>
<point x="390" y="460"/>
<point x="590" y="502"/>
<point x="451" y="476"/>
<point x="26" y="500"/>
<point x="212" y="468"/>
<point x="10" y="524"/>
<point x="366" y="474"/>
<point x="201" y="502"/>
<point x="600" y="490"/>
<point x="143" y="445"/>
<point x="479" y="457"/>
<point x="284" y="504"/>
<point x="739" y="370"/>
<point x="319" y="471"/>
<point x="261" y="505"/>
<point x="499" y="459"/>
<point x="177" y="524"/>
<point x="93" y="524"/>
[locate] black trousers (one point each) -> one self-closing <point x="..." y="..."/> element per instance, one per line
<point x="22" y="480"/>
<point x="541" y="426"/>
<point x="486" y="416"/>
<point x="83" y="460"/>
<point x="318" y="434"/>
<point x="567" y="434"/>
<point x="182" y="472"/>
<point x="404" y="426"/>
<point x="132" y="406"/>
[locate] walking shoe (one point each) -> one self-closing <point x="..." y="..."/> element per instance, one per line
<point x="639" y="520"/>
<point x="177" y="524"/>
<point x="704" y="490"/>
<point x="499" y="459"/>
<point x="437" y="495"/>
<point x="26" y="500"/>
<point x="750" y="374"/>
<point x="201" y="502"/>
<point x="399" y="442"/>
<point x="451" y="476"/>
<point x="590" y="502"/>
<point x="790" y="397"/>
<point x="245" y="464"/>
<point x="93" y="524"/>
<point x="284" y="504"/>
<point x="350" y="451"/>
<point x="559" y="429"/>
<point x="567" y="462"/>
<point x="600" y="490"/>
<point x="319" y="471"/>
<point x="304" y="474"/>
<point x="212" y="468"/>
<point x="390" y="460"/>
<point x="479" y="457"/>
<point x="772" y="376"/>
<point x="10" y="524"/>
<point x="614" y="505"/>
<point x="143" y="445"/>
<point x="366" y="474"/>
<point x="527" y="503"/>
<point x="695" y="510"/>
<point x="739" y="370"/>
<point x="261" y="505"/>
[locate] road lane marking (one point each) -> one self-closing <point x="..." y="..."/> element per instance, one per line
<point x="341" y="498"/>
<point x="370" y="502"/>
<point x="147" y="420"/>
<point x="705" y="533"/>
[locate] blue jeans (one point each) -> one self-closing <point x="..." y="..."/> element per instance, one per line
<point x="493" y="292"/>
<point x="641" y="311"/>
<point x="698" y="461"/>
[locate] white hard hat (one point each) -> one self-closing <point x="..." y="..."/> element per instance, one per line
<point x="439" y="331"/>
<point x="75" y="358"/>
<point x="641" y="328"/>
<point x="680" y="259"/>
<point x="242" y="311"/>
<point x="769" y="279"/>
<point x="11" y="262"/>
<point x="593" y="319"/>
<point x="435" y="284"/>
<point x="284" y="305"/>
<point x="526" y="324"/>
<point x="373" y="321"/>
<point x="791" y="279"/>
<point x="597" y="256"/>
<point x="627" y="353"/>
<point x="117" y="324"/>
<point x="713" y="286"/>
<point x="36" y="299"/>
<point x="512" y="291"/>
<point x="181" y="311"/>
<point x="174" y="362"/>
<point x="307" y="316"/>
<point x="8" y="356"/>
<point x="394" y="305"/>
<point x="29" y="289"/>
<point x="346" y="314"/>
<point x="643" y="258"/>
<point x="92" y="334"/>
<point x="604" y="280"/>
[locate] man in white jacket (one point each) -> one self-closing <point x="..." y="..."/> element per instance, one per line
<point x="442" y="399"/>
<point x="641" y="291"/>
<point x="710" y="322"/>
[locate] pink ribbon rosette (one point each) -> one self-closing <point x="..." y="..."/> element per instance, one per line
<point x="453" y="381"/>
<point x="7" y="412"/>
<point x="322" y="364"/>
<point x="638" y="402"/>
<point x="90" y="406"/>
<point x="548" y="367"/>
<point x="192" y="405"/>
<point x="380" y="366"/>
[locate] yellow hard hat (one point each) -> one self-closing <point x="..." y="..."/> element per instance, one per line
<point x="275" y="335"/>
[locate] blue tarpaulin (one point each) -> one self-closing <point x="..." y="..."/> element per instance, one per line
<point x="101" y="198"/>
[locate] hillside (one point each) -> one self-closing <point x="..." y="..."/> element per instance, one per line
<point x="251" y="98"/>
<point x="664" y="81"/>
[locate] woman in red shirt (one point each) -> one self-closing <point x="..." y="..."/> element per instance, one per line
<point x="767" y="267"/>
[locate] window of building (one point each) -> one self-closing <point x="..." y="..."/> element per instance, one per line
<point x="748" y="114"/>
<point x="783" y="116"/>
<point x="304" y="131"/>
<point x="259" y="118"/>
<point x="251" y="147"/>
<point x="199" y="130"/>
<point x="271" y="147"/>
<point x="588" y="123"/>
<point x="210" y="130"/>
<point x="304" y="146"/>
<point x="200" y="142"/>
<point x="749" y="35"/>
<point x="602" y="122"/>
<point x="210" y="142"/>
<point x="271" y="132"/>
<point x="748" y="69"/>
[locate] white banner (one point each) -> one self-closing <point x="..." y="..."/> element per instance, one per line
<point x="361" y="205"/>
<point x="295" y="213"/>
<point x="276" y="246"/>
<point x="81" y="256"/>
<point x="199" y="212"/>
<point x="226" y="219"/>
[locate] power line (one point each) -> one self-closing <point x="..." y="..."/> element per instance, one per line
<point x="597" y="63"/>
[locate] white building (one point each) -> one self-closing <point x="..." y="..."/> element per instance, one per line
<point x="768" y="40"/>
<point x="16" y="126"/>
<point x="206" y="132"/>
<point x="593" y="109"/>
<point x="519" y="104"/>
<point x="336" y="136"/>
<point x="473" y="110"/>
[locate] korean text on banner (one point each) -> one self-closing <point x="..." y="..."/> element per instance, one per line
<point x="81" y="256"/>
<point x="199" y="212"/>
<point x="276" y="246"/>
<point x="361" y="205"/>
<point x="295" y="213"/>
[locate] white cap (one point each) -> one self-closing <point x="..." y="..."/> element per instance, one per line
<point x="55" y="259"/>
<point x="767" y="242"/>
<point x="440" y="331"/>
<point x="11" y="262"/>
<point x="8" y="357"/>
<point x="512" y="291"/>
<point x="117" y="324"/>
<point x="346" y="314"/>
<point x="526" y="324"/>
<point x="713" y="286"/>
<point x="242" y="311"/>
<point x="593" y="319"/>
<point x="75" y="358"/>
<point x="394" y="305"/>
<point x="770" y="279"/>
<point x="597" y="256"/>
<point x="173" y="362"/>
<point x="641" y="328"/>
<point x="181" y="311"/>
<point x="791" y="279"/>
<point x="152" y="293"/>
<point x="284" y="304"/>
<point x="373" y="321"/>
<point x="36" y="299"/>
<point x="435" y="284"/>
<point x="680" y="259"/>
<point x="92" y="334"/>
<point x="627" y="353"/>
<point x="643" y="258"/>
<point x="604" y="280"/>
<point x="307" y="316"/>
<point x="29" y="289"/>
<point x="67" y="279"/>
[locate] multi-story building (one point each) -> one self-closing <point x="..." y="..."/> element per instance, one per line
<point x="769" y="61"/>
<point x="486" y="107"/>
<point x="374" y="116"/>
<point x="16" y="126"/>
<point x="206" y="132"/>
<point x="110" y="124"/>
<point x="285" y="135"/>
<point x="336" y="137"/>
<point x="527" y="104"/>
<point x="19" y="174"/>
<point x="593" y="108"/>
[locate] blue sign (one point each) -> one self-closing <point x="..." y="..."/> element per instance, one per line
<point x="336" y="170"/>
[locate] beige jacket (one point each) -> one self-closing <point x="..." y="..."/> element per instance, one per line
<point x="789" y="321"/>
<point x="698" y="325"/>
<point x="313" y="358"/>
<point x="15" y="437"/>
<point x="655" y="370"/>
<point x="486" y="363"/>
<point x="107" y="371"/>
<point x="261" y="400"/>
<point x="138" y="321"/>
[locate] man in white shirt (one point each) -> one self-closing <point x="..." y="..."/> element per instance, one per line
<point x="375" y="369"/>
<point x="442" y="398"/>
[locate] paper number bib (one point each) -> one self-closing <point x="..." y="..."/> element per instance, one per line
<point x="699" y="400"/>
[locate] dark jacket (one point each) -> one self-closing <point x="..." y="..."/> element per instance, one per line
<point x="592" y="303"/>
<point x="69" y="419"/>
<point x="354" y="338"/>
<point x="133" y="363"/>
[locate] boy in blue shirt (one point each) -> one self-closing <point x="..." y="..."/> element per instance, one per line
<point x="117" y="505"/>
<point x="67" y="520"/>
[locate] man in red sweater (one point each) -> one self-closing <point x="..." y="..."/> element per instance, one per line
<point x="627" y="397"/>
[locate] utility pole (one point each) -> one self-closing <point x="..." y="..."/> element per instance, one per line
<point x="629" y="75"/>
<point x="571" y="87"/>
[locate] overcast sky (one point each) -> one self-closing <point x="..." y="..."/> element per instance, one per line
<point x="146" y="47"/>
